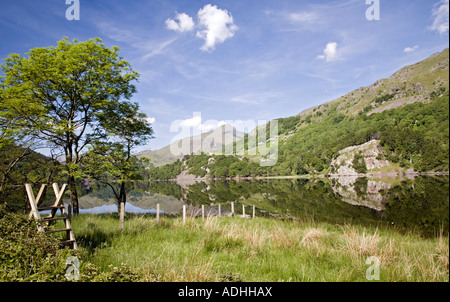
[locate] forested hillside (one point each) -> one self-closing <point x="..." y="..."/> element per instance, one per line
<point x="408" y="113"/>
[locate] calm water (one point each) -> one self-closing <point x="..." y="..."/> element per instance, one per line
<point x="420" y="204"/>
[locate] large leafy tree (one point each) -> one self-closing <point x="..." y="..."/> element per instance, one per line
<point x="60" y="92"/>
<point x="110" y="160"/>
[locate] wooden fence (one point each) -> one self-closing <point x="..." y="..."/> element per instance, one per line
<point x="218" y="212"/>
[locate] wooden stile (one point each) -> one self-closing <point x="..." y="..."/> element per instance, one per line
<point x="58" y="205"/>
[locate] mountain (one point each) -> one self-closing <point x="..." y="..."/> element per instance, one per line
<point x="398" y="124"/>
<point x="419" y="82"/>
<point x="208" y="142"/>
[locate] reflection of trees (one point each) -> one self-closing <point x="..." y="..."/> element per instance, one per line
<point x="422" y="204"/>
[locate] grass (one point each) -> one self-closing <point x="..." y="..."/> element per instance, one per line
<point x="236" y="249"/>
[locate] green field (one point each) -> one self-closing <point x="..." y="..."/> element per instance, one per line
<point x="237" y="249"/>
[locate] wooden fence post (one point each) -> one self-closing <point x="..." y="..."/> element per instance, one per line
<point x="254" y="212"/>
<point x="184" y="214"/>
<point x="203" y="212"/>
<point x="232" y="208"/>
<point x="220" y="214"/>
<point x="157" y="213"/>
<point x="243" y="211"/>
<point x="121" y="215"/>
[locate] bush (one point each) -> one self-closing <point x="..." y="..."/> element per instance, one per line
<point x="26" y="254"/>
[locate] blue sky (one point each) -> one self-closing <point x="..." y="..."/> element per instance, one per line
<point x="238" y="60"/>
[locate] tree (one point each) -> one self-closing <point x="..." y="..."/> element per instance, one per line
<point x="15" y="144"/>
<point x="59" y="93"/>
<point x="110" y="161"/>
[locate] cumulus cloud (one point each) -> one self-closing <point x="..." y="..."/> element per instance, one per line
<point x="197" y="124"/>
<point x="440" y="17"/>
<point x="330" y="52"/>
<point x="411" y="49"/>
<point x="217" y="26"/>
<point x="181" y="23"/>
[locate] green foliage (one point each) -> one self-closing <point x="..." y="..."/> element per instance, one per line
<point x="26" y="254"/>
<point x="110" y="160"/>
<point x="414" y="135"/>
<point x="91" y="273"/>
<point x="419" y="204"/>
<point x="359" y="164"/>
<point x="383" y="98"/>
<point x="64" y="95"/>
<point x="166" y="172"/>
<point x="19" y="166"/>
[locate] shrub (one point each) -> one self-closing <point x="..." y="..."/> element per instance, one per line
<point x="26" y="254"/>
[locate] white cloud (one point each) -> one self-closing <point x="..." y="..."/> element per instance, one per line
<point x="151" y="120"/>
<point x="330" y="52"/>
<point x="196" y="123"/>
<point x="440" y="14"/>
<point x="302" y="17"/>
<point x="254" y="98"/>
<point x="185" y="23"/>
<point x="218" y="26"/>
<point x="411" y="49"/>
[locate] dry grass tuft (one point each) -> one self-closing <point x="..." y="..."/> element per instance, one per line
<point x="312" y="237"/>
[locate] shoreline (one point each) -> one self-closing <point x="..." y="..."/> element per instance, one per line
<point x="186" y="178"/>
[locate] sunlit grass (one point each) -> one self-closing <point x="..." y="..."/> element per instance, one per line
<point x="236" y="249"/>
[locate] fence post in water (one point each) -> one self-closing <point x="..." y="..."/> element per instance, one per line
<point x="253" y="216"/>
<point x="203" y="212"/>
<point x="184" y="214"/>
<point x="157" y="213"/>
<point x="232" y="208"/>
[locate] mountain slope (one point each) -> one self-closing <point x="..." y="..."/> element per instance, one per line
<point x="407" y="114"/>
<point x="206" y="142"/>
<point x="419" y="82"/>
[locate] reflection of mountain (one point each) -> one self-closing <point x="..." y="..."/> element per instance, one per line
<point x="112" y="208"/>
<point x="137" y="202"/>
<point x="420" y="204"/>
<point x="300" y="198"/>
<point x="207" y="142"/>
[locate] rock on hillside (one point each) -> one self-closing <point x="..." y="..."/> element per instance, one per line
<point x="370" y="153"/>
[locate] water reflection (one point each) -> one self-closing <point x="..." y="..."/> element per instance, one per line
<point x="420" y="204"/>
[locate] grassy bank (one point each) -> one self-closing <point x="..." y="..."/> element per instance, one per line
<point x="236" y="249"/>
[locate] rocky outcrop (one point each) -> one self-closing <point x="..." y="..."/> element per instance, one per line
<point x="371" y="152"/>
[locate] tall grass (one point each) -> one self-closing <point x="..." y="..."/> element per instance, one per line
<point x="236" y="249"/>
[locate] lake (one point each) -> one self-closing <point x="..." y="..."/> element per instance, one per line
<point x="419" y="204"/>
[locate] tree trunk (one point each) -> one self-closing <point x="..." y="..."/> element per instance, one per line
<point x="72" y="183"/>
<point x="122" y="202"/>
<point x="74" y="195"/>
